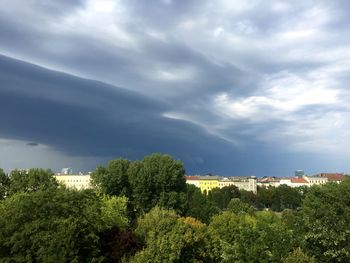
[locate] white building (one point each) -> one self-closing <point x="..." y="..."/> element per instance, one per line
<point x="74" y="181"/>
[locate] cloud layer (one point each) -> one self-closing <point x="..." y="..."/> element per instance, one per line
<point x="223" y="85"/>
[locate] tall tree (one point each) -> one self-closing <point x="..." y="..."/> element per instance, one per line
<point x="32" y="180"/>
<point x="154" y="175"/>
<point x="113" y="179"/>
<point x="198" y="205"/>
<point x="221" y="197"/>
<point x="326" y="220"/>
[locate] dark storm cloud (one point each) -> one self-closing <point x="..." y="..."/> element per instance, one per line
<point x="83" y="117"/>
<point x="252" y="81"/>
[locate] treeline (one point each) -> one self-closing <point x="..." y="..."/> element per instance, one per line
<point x="143" y="211"/>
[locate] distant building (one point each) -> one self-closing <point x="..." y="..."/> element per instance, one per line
<point x="67" y="170"/>
<point x="268" y="181"/>
<point x="243" y="183"/>
<point x="299" y="173"/>
<point x="333" y="177"/>
<point x="74" y="181"/>
<point x="316" y="180"/>
<point x="209" y="182"/>
<point x="193" y="179"/>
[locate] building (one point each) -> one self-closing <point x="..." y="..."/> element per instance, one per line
<point x="209" y="182"/>
<point x="67" y="170"/>
<point x="268" y="181"/>
<point x="316" y="180"/>
<point x="193" y="179"/>
<point x="333" y="177"/>
<point x="243" y="183"/>
<point x="74" y="181"/>
<point x="299" y="173"/>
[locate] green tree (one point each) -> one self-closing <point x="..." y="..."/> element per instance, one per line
<point x="113" y="179"/>
<point x="172" y="239"/>
<point x="222" y="196"/>
<point x="284" y="197"/>
<point x="32" y="180"/>
<point x="154" y="175"/>
<point x="4" y="184"/>
<point x="238" y="207"/>
<point x="264" y="197"/>
<point x="326" y="220"/>
<point x="248" y="197"/>
<point x="298" y="256"/>
<point x="248" y="238"/>
<point x="198" y="205"/>
<point x="55" y="226"/>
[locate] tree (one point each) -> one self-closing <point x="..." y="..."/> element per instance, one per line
<point x="198" y="205"/>
<point x="32" y="180"/>
<point x="248" y="238"/>
<point x="222" y="196"/>
<point x="298" y="256"/>
<point x="4" y="184"/>
<point x="154" y="175"/>
<point x="113" y="179"/>
<point x="238" y="207"/>
<point x="284" y="197"/>
<point x="265" y="197"/>
<point x="326" y="220"/>
<point x="248" y="197"/>
<point x="117" y="245"/>
<point x="58" y="225"/>
<point x="174" y="239"/>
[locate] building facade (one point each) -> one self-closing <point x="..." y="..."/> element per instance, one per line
<point x="208" y="183"/>
<point x="74" y="181"/>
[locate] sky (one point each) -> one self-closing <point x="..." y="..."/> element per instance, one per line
<point x="228" y="87"/>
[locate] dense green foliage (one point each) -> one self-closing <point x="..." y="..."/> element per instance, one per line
<point x="143" y="211"/>
<point x="4" y="184"/>
<point x="32" y="180"/>
<point x="56" y="225"/>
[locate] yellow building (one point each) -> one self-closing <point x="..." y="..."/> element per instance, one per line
<point x="208" y="183"/>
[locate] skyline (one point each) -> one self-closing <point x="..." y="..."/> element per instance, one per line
<point x="228" y="87"/>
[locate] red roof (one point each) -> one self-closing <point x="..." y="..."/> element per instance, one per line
<point x="332" y="177"/>
<point x="192" y="177"/>
<point x="298" y="180"/>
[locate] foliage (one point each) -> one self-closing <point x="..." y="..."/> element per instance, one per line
<point x="154" y="175"/>
<point x="53" y="226"/>
<point x="298" y="256"/>
<point x="155" y="222"/>
<point x="113" y="211"/>
<point x="248" y="197"/>
<point x="32" y="180"/>
<point x="248" y="238"/>
<point x="264" y="197"/>
<point x="118" y="245"/>
<point x="4" y="184"/>
<point x="113" y="179"/>
<point x="221" y="197"/>
<point x="326" y="220"/>
<point x="238" y="207"/>
<point x="176" y="239"/>
<point x="198" y="205"/>
<point x="279" y="198"/>
<point x="284" y="197"/>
